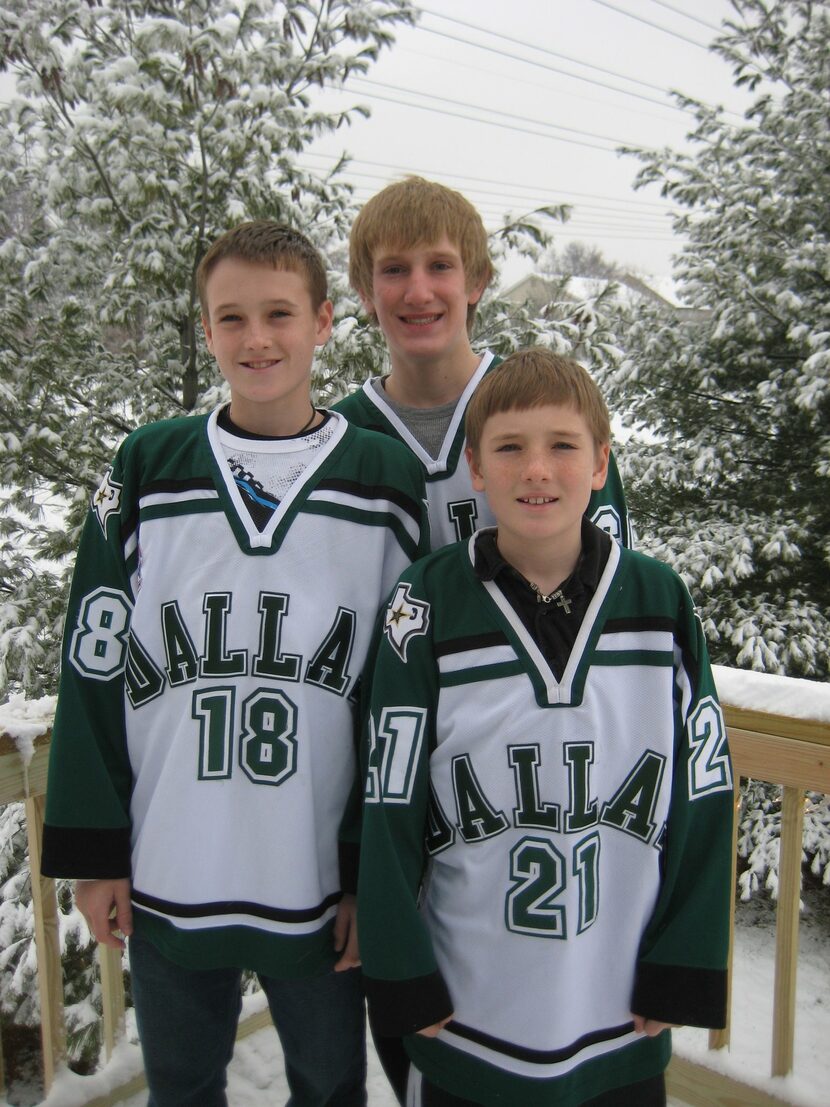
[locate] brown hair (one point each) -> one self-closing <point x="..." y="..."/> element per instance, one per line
<point x="532" y="378"/>
<point x="413" y="212"/>
<point x="265" y="242"/>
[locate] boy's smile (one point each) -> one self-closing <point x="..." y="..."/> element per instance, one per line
<point x="263" y="330"/>
<point x="538" y="467"/>
<point x="420" y="297"/>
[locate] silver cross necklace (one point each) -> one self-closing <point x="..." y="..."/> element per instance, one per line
<point x="558" y="595"/>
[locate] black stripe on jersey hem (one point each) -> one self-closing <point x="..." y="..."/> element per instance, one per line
<point x="371" y="492"/>
<point x="86" y="853"/>
<point x="540" y="1056"/>
<point x="470" y="642"/>
<point x="234" y="907"/>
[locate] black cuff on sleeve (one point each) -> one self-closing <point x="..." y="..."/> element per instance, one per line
<point x="349" y="856"/>
<point x="401" y="1007"/>
<point x="681" y="995"/>
<point x="83" y="853"/>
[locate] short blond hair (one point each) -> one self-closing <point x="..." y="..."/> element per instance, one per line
<point x="264" y="242"/>
<point x="415" y="212"/>
<point x="532" y="378"/>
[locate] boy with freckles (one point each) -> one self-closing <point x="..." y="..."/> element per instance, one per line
<point x="545" y="867"/>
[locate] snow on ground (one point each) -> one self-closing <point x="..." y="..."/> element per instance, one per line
<point x="255" y="1077"/>
<point x="748" y="1057"/>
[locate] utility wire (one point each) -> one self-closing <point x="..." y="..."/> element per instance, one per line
<point x="599" y="211"/>
<point x="666" y="104"/>
<point x="490" y="111"/>
<point x="541" y="49"/>
<point x="686" y="15"/>
<point x="489" y="122"/>
<point x="662" y="205"/>
<point x="648" y="23"/>
<point x="552" y="68"/>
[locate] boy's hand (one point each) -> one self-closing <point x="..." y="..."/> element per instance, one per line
<point x="651" y="1027"/>
<point x="105" y="904"/>
<point x="434" y="1030"/>
<point x="345" y="934"/>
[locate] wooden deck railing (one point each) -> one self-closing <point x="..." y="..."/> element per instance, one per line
<point x="794" y="753"/>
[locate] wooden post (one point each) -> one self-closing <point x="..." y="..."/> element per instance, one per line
<point x="112" y="996"/>
<point x="786" y="930"/>
<point x="47" y="943"/>
<point x="718" y="1039"/>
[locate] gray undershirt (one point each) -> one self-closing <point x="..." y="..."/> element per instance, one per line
<point x="427" y="425"/>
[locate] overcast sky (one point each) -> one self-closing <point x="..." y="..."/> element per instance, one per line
<point x="519" y="103"/>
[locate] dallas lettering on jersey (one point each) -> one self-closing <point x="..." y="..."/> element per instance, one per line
<point x="395" y="749"/>
<point x="103" y="646"/>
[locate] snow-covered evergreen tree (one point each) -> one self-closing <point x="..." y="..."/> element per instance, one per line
<point x="731" y="483"/>
<point x="140" y="131"/>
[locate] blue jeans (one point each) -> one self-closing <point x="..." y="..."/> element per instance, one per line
<point x="187" y="1021"/>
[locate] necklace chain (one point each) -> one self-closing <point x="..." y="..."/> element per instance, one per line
<point x="558" y="595"/>
<point x="310" y="420"/>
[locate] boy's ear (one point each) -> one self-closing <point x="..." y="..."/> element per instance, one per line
<point x="601" y="455"/>
<point x="325" y="318"/>
<point x="475" y="294"/>
<point x="368" y="304"/>
<point x="475" y="471"/>
<point x="208" y="333"/>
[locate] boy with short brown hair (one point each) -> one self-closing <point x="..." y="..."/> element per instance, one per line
<point x="227" y="582"/>
<point x="545" y="876"/>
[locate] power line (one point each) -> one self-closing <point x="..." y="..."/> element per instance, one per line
<point x="491" y="111"/>
<point x="686" y="15"/>
<point x="648" y="23"/>
<point x="545" y="86"/>
<point x="668" y="104"/>
<point x="663" y="206"/>
<point x="601" y="211"/>
<point x="541" y="50"/>
<point x="551" y="68"/>
<point x="488" y="122"/>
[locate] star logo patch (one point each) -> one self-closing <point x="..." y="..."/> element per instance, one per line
<point x="405" y="618"/>
<point x="107" y="500"/>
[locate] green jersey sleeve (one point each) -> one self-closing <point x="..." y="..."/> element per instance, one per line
<point x="403" y="984"/>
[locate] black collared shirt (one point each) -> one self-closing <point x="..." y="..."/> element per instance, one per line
<point x="553" y="626"/>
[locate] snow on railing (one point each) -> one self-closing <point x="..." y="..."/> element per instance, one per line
<point x="779" y="731"/>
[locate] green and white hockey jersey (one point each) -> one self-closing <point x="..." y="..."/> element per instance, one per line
<point x="455" y="508"/>
<point x="542" y="858"/>
<point x="204" y="743"/>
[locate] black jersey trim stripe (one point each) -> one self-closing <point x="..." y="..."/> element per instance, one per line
<point x="234" y="907"/>
<point x="176" y="487"/>
<point x="371" y="492"/>
<point x="497" y="671"/>
<point x="652" y="658"/>
<point x="540" y="1056"/>
<point x="469" y="642"/>
<point x="639" y="623"/>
